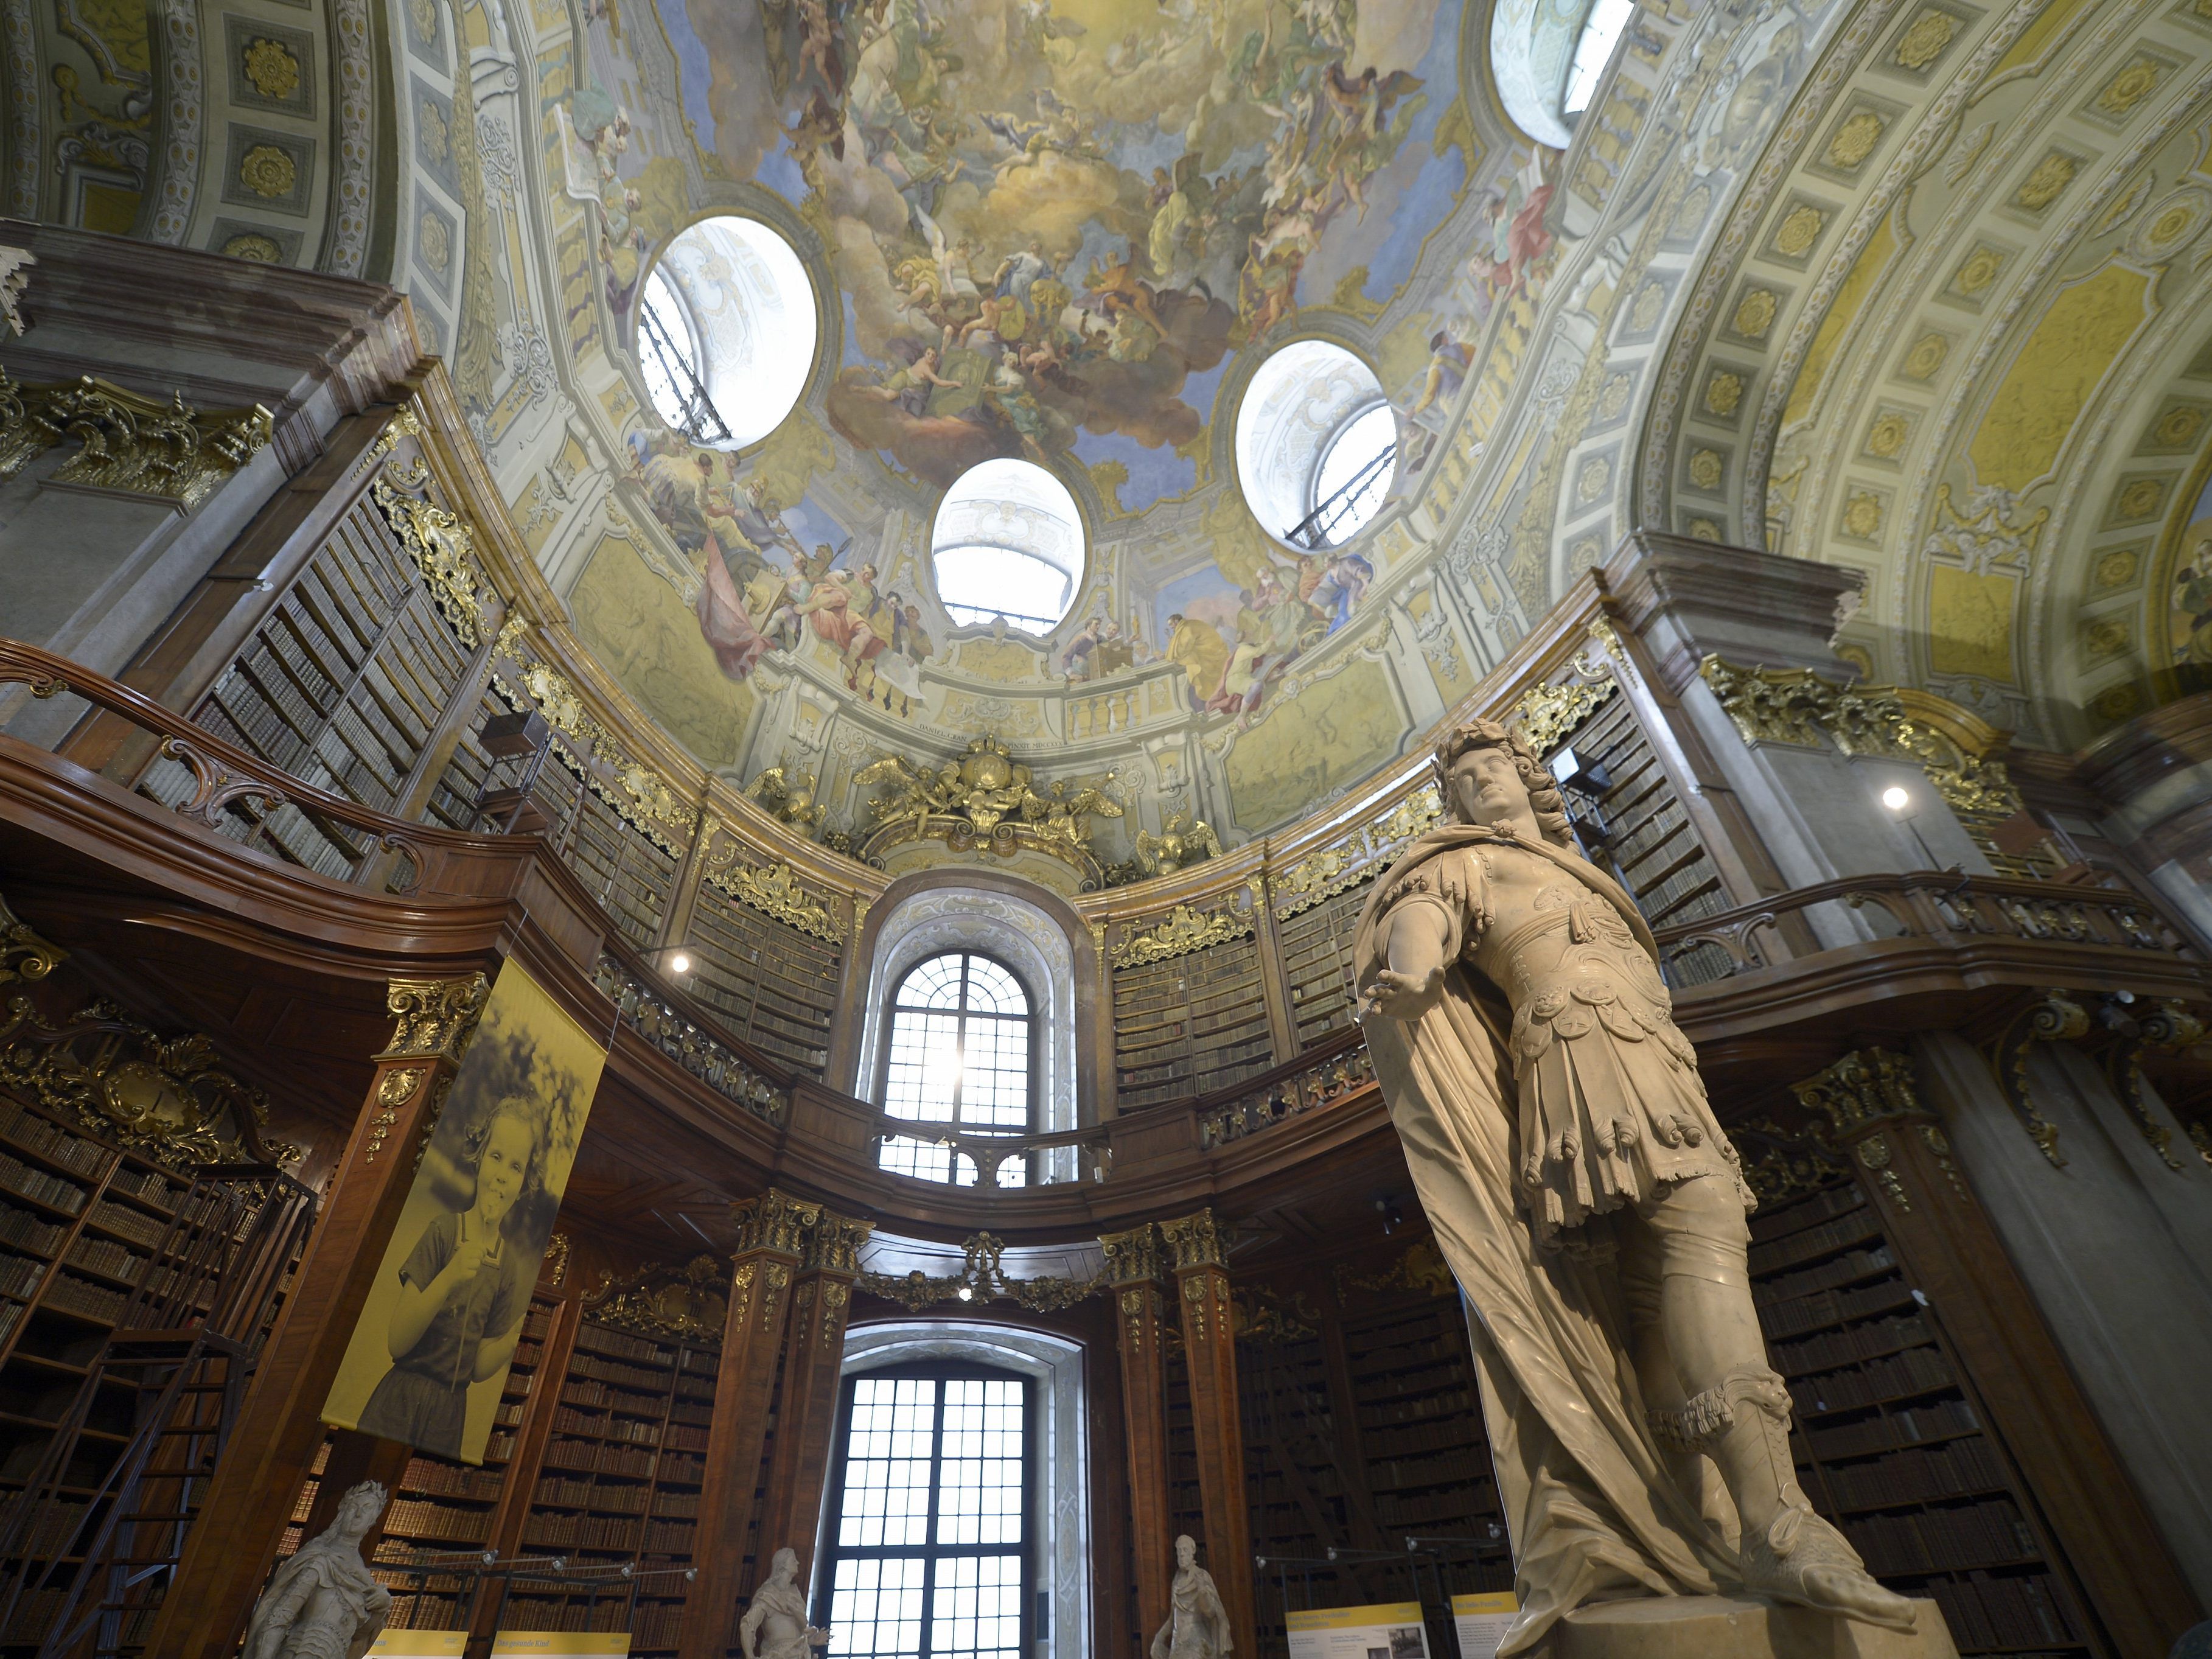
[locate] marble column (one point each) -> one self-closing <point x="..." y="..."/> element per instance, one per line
<point x="772" y="1231"/>
<point x="1132" y="1269"/>
<point x="1209" y="1344"/>
<point x="1875" y="1109"/>
<point x="813" y="1368"/>
<point x="280" y="1426"/>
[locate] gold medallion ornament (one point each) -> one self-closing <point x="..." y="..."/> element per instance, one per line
<point x="1979" y="270"/>
<point x="435" y="241"/>
<point x="1705" y="469"/>
<point x="1799" y="230"/>
<point x="1649" y="302"/>
<point x="2140" y="499"/>
<point x="2134" y="83"/>
<point x="1862" y="516"/>
<point x="1704" y="530"/>
<point x="2108" y="637"/>
<point x="1887" y="435"/>
<point x="273" y="70"/>
<point x="423" y="14"/>
<point x="268" y="170"/>
<point x="1923" y="43"/>
<point x="1614" y="398"/>
<point x="2177" y="429"/>
<point x="1925" y="357"/>
<point x="2117" y="569"/>
<point x="2044" y="186"/>
<point x="1590" y="483"/>
<point x="1855" y="140"/>
<point x="261" y="250"/>
<point x="1754" y="314"/>
<point x="1723" y="392"/>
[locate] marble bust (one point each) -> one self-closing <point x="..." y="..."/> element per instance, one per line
<point x="323" y="1604"/>
<point x="1198" y="1624"/>
<point x="1592" y="1210"/>
<point x="775" y="1626"/>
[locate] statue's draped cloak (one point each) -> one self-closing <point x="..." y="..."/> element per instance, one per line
<point x="1594" y="1508"/>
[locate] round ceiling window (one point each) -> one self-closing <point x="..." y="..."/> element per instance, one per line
<point x="1316" y="445"/>
<point x="1008" y="542"/>
<point x="725" y="331"/>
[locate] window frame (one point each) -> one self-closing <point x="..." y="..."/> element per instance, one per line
<point x="828" y="1551"/>
<point x="1031" y="1020"/>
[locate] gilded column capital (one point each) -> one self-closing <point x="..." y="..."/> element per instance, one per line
<point x="775" y="1223"/>
<point x="434" y="1019"/>
<point x="833" y="1245"/>
<point x="1197" y="1241"/>
<point x="1862" y="1092"/>
<point x="25" y="955"/>
<point x="1132" y="1257"/>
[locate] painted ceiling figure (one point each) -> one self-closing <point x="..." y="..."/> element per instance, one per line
<point x="1592" y="1211"/>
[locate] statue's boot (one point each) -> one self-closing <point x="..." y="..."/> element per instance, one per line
<point x="1743" y="1425"/>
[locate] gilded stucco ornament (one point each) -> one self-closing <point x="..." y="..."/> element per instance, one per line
<point x="435" y="1017"/>
<point x="984" y="800"/>
<point x="687" y="1303"/>
<point x="444" y="553"/>
<point x="135" y="446"/>
<point x="1183" y="841"/>
<point x="1132" y="1257"/>
<point x="787" y="795"/>
<point x="1547" y="714"/>
<point x="1198" y="1240"/>
<point x="2054" y="1017"/>
<point x="169" y="1098"/>
<point x="1183" y="930"/>
<point x="981" y="1278"/>
<point x="774" y="1222"/>
<point x="774" y="890"/>
<point x="24" y="955"/>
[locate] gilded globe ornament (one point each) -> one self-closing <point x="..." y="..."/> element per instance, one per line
<point x="272" y="68"/>
<point x="268" y="170"/>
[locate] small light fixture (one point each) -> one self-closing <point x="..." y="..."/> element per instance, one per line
<point x="679" y="964"/>
<point x="967" y="1293"/>
<point x="1895" y="798"/>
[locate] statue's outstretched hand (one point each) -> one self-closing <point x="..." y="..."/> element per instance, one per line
<point x="1402" y="996"/>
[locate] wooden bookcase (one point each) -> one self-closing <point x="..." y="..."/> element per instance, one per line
<point x="1189" y="1024"/>
<point x="1317" y="964"/>
<point x="768" y="984"/>
<point x="1890" y="1443"/>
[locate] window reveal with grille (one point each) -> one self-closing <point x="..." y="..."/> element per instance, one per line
<point x="960" y="1056"/>
<point x="929" y="1554"/>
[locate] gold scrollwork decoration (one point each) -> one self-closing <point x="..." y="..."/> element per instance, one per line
<point x="1546" y="714"/>
<point x="774" y="890"/>
<point x="25" y="955"/>
<point x="1182" y="931"/>
<point x="2054" y="1017"/>
<point x="775" y="1221"/>
<point x="1197" y="1240"/>
<point x="1132" y="1257"/>
<point x="435" y="1017"/>
<point x="169" y="1098"/>
<point x="129" y="444"/>
<point x="405" y="422"/>
<point x="690" y="1304"/>
<point x="398" y="1085"/>
<point x="443" y="552"/>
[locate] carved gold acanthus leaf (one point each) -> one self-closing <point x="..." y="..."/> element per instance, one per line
<point x="774" y="890"/>
<point x="1181" y="931"/>
<point x="775" y="1221"/>
<point x="1197" y="1241"/>
<point x="688" y="1305"/>
<point x="1131" y="1256"/>
<point x="24" y="955"/>
<point x="435" y="1017"/>
<point x="168" y="1098"/>
<point x="443" y="552"/>
<point x="833" y="1245"/>
<point x="133" y="444"/>
<point x="1862" y="1091"/>
<point x="1548" y="714"/>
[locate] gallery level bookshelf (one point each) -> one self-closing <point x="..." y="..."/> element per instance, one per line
<point x="1890" y="1443"/>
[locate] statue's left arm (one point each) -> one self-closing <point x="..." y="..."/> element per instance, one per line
<point x="1424" y="921"/>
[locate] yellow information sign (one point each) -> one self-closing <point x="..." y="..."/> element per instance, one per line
<point x="419" y="1645"/>
<point x="1387" y="1630"/>
<point x="1482" y="1622"/>
<point x="561" y="1645"/>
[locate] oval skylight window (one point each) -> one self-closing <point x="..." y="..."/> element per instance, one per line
<point x="726" y="331"/>
<point x="1008" y="542"/>
<point x="1316" y="445"/>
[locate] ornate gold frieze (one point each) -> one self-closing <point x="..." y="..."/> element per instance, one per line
<point x="774" y="890"/>
<point x="168" y="1098"/>
<point x="405" y="422"/>
<point x="443" y="552"/>
<point x="1779" y="1165"/>
<point x="984" y="798"/>
<point x="1182" y="931"/>
<point x="833" y="1245"/>
<point x="982" y="1276"/>
<point x="556" y="1259"/>
<point x="774" y="1221"/>
<point x="1197" y="1241"/>
<point x="689" y="1303"/>
<point x="637" y="794"/>
<point x="24" y="955"/>
<point x="136" y="445"/>
<point x="1260" y="1314"/>
<point x="435" y="1017"/>
<point x="788" y="797"/>
<point x="2054" y="1017"/>
<point x="1356" y="858"/>
<point x="1547" y="714"/>
<point x="1420" y="1271"/>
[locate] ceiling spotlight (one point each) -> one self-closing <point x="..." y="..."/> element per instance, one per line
<point x="1895" y="798"/>
<point x="967" y="1293"/>
<point x="679" y="964"/>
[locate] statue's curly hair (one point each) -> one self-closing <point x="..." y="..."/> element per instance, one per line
<point x="1544" y="795"/>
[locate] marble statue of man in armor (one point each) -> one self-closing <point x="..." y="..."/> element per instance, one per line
<point x="1198" y="1624"/>
<point x="775" y="1626"/>
<point x="323" y="1604"/>
<point x="1592" y="1211"/>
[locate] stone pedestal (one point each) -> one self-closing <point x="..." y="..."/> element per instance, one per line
<point x="1726" y="1627"/>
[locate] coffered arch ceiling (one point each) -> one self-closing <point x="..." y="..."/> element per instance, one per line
<point x="1956" y="337"/>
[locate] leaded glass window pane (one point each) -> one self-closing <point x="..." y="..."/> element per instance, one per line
<point x="959" y="1055"/>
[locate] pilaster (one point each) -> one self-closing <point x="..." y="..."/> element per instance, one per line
<point x="771" y="1244"/>
<point x="1871" y="1103"/>
<point x="280" y="1428"/>
<point x="1209" y="1342"/>
<point x="813" y="1365"/>
<point x="1132" y="1269"/>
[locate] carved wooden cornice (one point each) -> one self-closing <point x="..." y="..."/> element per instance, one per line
<point x="435" y="1017"/>
<point x="1132" y="1257"/>
<point x="130" y="445"/>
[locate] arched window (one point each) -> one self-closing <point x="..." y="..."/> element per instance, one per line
<point x="725" y="331"/>
<point x="960" y="1056"/>
<point x="1316" y="445"/>
<point x="1593" y="51"/>
<point x="1008" y="542"/>
<point x="929" y="1555"/>
<point x="668" y="352"/>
